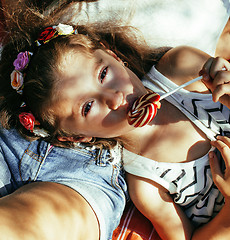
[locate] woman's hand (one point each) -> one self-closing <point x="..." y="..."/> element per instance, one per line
<point x="216" y="77"/>
<point x="221" y="179"/>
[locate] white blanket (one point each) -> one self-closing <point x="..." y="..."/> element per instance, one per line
<point x="197" y="23"/>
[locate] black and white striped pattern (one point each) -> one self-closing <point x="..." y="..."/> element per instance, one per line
<point x="190" y="184"/>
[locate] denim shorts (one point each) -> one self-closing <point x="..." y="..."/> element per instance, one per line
<point x="91" y="172"/>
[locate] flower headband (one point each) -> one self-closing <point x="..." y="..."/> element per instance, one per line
<point x="20" y="65"/>
<point x="29" y="122"/>
<point x="23" y="58"/>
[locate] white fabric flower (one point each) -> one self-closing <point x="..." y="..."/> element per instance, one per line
<point x="64" y="29"/>
<point x="16" y="80"/>
<point x="40" y="132"/>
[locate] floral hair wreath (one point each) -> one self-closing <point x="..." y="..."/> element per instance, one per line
<point x="21" y="63"/>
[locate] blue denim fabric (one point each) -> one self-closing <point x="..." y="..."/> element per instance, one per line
<point x="88" y="171"/>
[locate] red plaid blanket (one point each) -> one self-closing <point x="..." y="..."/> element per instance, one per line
<point x="134" y="226"/>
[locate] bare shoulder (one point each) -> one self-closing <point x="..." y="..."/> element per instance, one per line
<point x="182" y="64"/>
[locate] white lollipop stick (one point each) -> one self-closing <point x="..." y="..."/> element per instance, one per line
<point x="184" y="85"/>
<point x="181" y="86"/>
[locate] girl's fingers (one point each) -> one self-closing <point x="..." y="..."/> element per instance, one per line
<point x="222" y="77"/>
<point x="222" y="180"/>
<point x="223" y="144"/>
<point x="224" y="139"/>
<point x="215" y="166"/>
<point x="215" y="72"/>
<point x="220" y="91"/>
<point x="218" y="65"/>
<point x="213" y="66"/>
<point x="206" y="68"/>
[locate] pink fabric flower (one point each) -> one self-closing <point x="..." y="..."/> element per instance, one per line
<point x="16" y="80"/>
<point x="22" y="60"/>
<point x="27" y="120"/>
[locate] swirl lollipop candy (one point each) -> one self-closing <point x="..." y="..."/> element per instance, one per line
<point x="144" y="109"/>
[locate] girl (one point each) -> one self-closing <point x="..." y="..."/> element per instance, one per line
<point x="71" y="88"/>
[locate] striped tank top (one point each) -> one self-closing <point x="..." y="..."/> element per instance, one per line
<point x="190" y="184"/>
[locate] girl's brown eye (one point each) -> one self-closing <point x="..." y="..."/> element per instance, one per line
<point x="87" y="108"/>
<point x="103" y="74"/>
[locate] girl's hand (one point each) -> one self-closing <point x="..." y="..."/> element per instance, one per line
<point x="216" y="77"/>
<point x="222" y="180"/>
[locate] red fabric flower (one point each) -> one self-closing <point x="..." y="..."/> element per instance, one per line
<point x="27" y="120"/>
<point x="47" y="34"/>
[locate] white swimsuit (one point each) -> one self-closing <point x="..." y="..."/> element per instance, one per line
<point x="190" y="184"/>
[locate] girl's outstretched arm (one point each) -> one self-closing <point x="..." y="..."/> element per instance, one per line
<point x="47" y="211"/>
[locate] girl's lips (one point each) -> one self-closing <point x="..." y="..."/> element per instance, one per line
<point x="130" y="103"/>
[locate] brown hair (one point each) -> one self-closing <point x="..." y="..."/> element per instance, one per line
<point x="41" y="78"/>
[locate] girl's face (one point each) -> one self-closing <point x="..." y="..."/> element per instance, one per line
<point x="96" y="94"/>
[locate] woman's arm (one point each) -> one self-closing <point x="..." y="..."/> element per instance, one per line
<point x="47" y="211"/>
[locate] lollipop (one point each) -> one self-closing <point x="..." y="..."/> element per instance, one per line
<point x="144" y="109"/>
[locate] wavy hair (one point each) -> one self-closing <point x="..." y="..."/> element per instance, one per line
<point x="41" y="75"/>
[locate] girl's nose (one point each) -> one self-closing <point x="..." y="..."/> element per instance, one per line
<point x="114" y="99"/>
